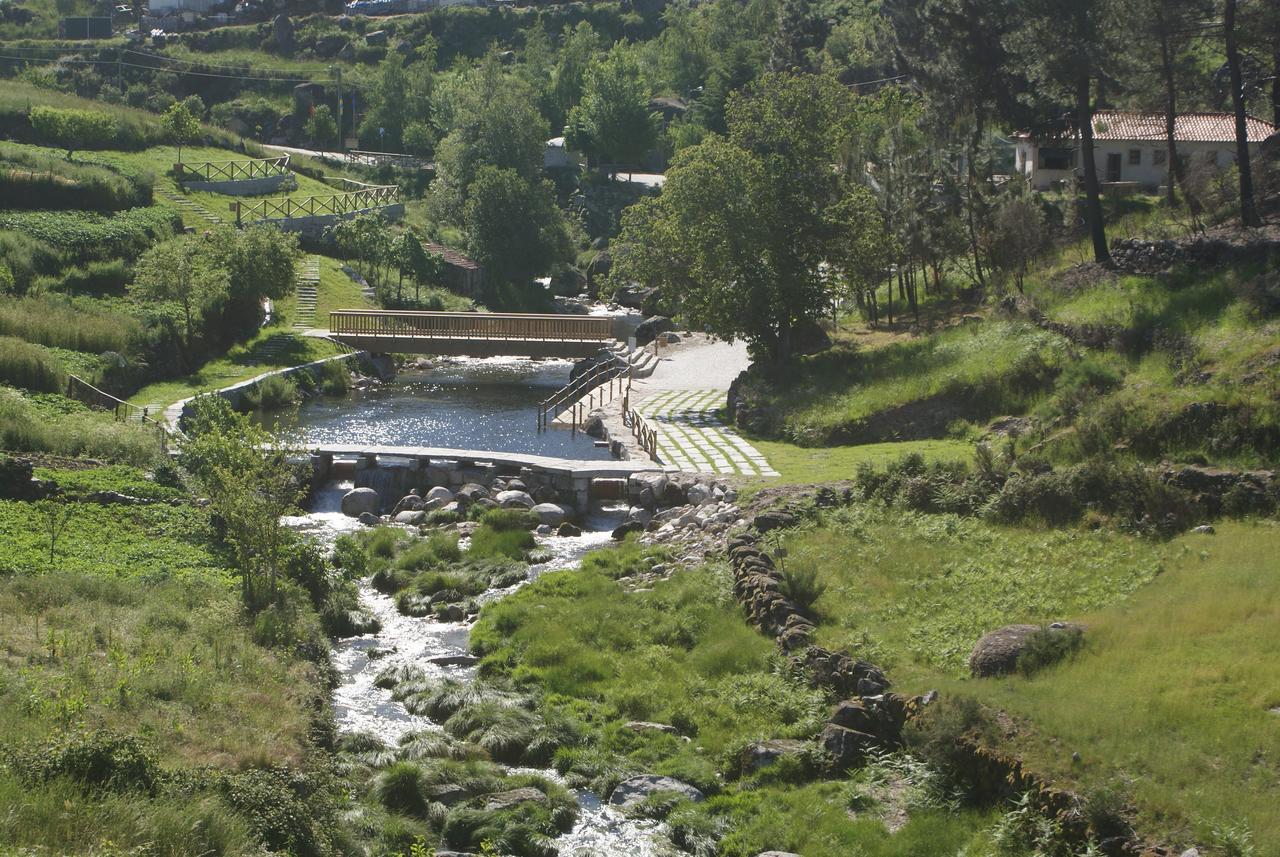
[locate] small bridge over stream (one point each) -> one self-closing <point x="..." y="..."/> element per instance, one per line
<point x="471" y="334"/>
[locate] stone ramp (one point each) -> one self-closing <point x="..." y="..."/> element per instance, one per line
<point x="692" y="437"/>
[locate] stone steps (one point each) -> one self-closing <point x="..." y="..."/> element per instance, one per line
<point x="307" y="290"/>
<point x="187" y="206"/>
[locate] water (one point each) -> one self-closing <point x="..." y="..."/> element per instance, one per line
<point x="361" y="706"/>
<point x="459" y="403"/>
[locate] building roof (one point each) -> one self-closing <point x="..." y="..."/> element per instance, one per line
<point x="451" y="256"/>
<point x="1124" y="125"/>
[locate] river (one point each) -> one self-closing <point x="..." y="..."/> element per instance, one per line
<point x="361" y="706"/>
<point x="459" y="403"/>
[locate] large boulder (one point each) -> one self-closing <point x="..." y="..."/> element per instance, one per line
<point x="654" y="482"/>
<point x="360" y="500"/>
<point x="409" y="503"/>
<point x="634" y="790"/>
<point x="998" y="652"/>
<point x="439" y="493"/>
<point x="471" y="492"/>
<point x="514" y="797"/>
<point x="762" y="754"/>
<point x="648" y="330"/>
<point x="282" y="34"/>
<point x="552" y="514"/>
<point x="632" y="296"/>
<point x="410" y="518"/>
<point x="847" y="748"/>
<point x="514" y="499"/>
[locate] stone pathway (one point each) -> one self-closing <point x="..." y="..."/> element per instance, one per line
<point x="307" y="286"/>
<point x="693" y="439"/>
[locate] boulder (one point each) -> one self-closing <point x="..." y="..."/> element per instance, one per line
<point x="640" y="515"/>
<point x="369" y="519"/>
<point x="348" y="52"/>
<point x="409" y="503"/>
<point x="621" y="531"/>
<point x="360" y="500"/>
<point x="514" y="500"/>
<point x="282" y="33"/>
<point x="766" y="521"/>
<point x="551" y="514"/>
<point x="648" y="330"/>
<point x="593" y="425"/>
<point x="698" y="494"/>
<point x="762" y="754"/>
<point x="646" y="726"/>
<point x="632" y="296"/>
<point x="440" y="493"/>
<point x="634" y="790"/>
<point x="445" y="793"/>
<point x="328" y="46"/>
<point x="848" y="748"/>
<point x="998" y="652"/>
<point x="471" y="492"/>
<point x="411" y="518"/>
<point x="454" y="660"/>
<point x="514" y="797"/>
<point x="654" y="480"/>
<point x="376" y="39"/>
<point x="568" y="530"/>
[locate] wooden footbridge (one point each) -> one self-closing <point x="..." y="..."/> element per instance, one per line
<point x="471" y="334"/>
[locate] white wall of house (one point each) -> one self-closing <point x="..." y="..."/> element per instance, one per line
<point x="1140" y="161"/>
<point x="184" y="5"/>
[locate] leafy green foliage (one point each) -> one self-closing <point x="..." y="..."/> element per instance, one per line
<point x="68" y="324"/>
<point x="85" y="235"/>
<point x="30" y="366"/>
<point x="612" y="123"/>
<point x="73" y="129"/>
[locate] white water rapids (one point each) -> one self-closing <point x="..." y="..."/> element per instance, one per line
<point x="361" y="706"/>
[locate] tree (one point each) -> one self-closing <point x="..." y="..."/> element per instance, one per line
<point x="862" y="248"/>
<point x="186" y="272"/>
<point x="245" y="472"/>
<point x="321" y="129"/>
<point x="1017" y="235"/>
<point x="740" y="233"/>
<point x="363" y="239"/>
<point x="73" y="129"/>
<point x="613" y="121"/>
<point x="261" y="263"/>
<point x="54" y="515"/>
<point x="1066" y="44"/>
<point x="513" y="226"/>
<point x="413" y="259"/>
<point x="577" y="48"/>
<point x="1248" y="209"/>
<point x="180" y="125"/>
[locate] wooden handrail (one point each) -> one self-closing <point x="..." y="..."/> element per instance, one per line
<point x="255" y="168"/>
<point x="273" y="208"/>
<point x="470" y="325"/>
<point x="645" y="435"/>
<point x="572" y="393"/>
<point x="82" y="391"/>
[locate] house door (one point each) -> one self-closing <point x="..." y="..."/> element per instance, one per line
<point x="1113" y="167"/>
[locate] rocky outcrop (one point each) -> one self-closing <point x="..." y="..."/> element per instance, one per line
<point x="634" y="790"/>
<point x="998" y="652"/>
<point x="1137" y="256"/>
<point x="649" y="329"/>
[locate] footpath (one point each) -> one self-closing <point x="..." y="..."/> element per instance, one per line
<point x="681" y="400"/>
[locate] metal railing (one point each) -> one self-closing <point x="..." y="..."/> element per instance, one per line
<point x="571" y="395"/>
<point x="645" y="434"/>
<point x="285" y="207"/>
<point x="395" y="159"/>
<point x="470" y="325"/>
<point x="82" y="391"/>
<point x="231" y="171"/>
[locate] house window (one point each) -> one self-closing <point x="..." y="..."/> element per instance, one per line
<point x="1056" y="159"/>
<point x="1135" y="157"/>
<point x="1159" y="157"/>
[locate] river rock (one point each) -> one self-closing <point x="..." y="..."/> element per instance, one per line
<point x="646" y="726"/>
<point x="568" y="530"/>
<point x="698" y="494"/>
<point x="359" y="500"/>
<point x="512" y="499"/>
<point x="517" y="485"/>
<point x="551" y="514"/>
<point x="439" y="494"/>
<point x="369" y="519"/>
<point x="634" y="790"/>
<point x="445" y="793"/>
<point x="542" y="529"/>
<point x="621" y="531"/>
<point x="640" y="515"/>
<point x="514" y="797"/>
<point x="471" y="492"/>
<point x="455" y="660"/>
<point x="409" y="503"/>
<point x="410" y="518"/>
<point x="450" y="613"/>
<point x="647" y="486"/>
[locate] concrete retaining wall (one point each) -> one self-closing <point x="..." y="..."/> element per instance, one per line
<point x="241" y="187"/>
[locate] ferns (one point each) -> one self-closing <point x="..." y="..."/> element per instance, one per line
<point x="801" y="585"/>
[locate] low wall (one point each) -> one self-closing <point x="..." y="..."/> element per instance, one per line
<point x="314" y="226"/>
<point x="241" y="187"/>
<point x="176" y="413"/>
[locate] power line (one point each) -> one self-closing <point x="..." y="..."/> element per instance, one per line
<point x="74" y="60"/>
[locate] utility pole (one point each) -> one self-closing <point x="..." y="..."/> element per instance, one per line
<point x="119" y="70"/>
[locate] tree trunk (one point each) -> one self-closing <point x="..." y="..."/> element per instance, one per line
<point x="1248" y="211"/>
<point x="1093" y="202"/>
<point x="1170" y="115"/>
<point x="1275" y="83"/>
<point x="972" y="181"/>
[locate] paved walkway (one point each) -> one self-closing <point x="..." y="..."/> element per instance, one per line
<point x="693" y="438"/>
<point x="680" y="400"/>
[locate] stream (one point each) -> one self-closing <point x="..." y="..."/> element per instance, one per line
<point x="359" y="705"/>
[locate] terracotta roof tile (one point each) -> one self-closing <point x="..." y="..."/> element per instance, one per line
<point x="1187" y="127"/>
<point x="451" y="256"/>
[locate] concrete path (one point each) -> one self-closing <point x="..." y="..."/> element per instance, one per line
<point x="680" y="400"/>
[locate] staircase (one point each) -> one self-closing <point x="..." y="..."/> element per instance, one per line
<point x="269" y="349"/>
<point x="308" y="286"/>
<point x="641" y="360"/>
<point x="193" y="213"/>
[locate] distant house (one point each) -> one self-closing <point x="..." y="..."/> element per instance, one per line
<point x="558" y="156"/>
<point x="463" y="275"/>
<point x="1130" y="148"/>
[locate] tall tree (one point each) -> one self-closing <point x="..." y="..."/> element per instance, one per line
<point x="1067" y="44"/>
<point x="513" y="226"/>
<point x="1173" y="25"/>
<point x="613" y="122"/>
<point x="184" y="271"/>
<point x="180" y="125"/>
<point x="1248" y="209"/>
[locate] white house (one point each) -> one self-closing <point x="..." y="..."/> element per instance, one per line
<point x="1131" y="148"/>
<point x="558" y="156"/>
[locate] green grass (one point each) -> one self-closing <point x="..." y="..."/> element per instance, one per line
<point x="801" y="465"/>
<point x="913" y="592"/>
<point x="1172" y="700"/>
<point x="74" y="325"/>
<point x="23" y="364"/>
<point x="53" y="424"/>
<point x="846" y="395"/>
<point x="241" y="363"/>
<point x="112" y="477"/>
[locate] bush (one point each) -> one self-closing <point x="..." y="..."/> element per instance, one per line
<point x="272" y="393"/>
<point x="105" y="760"/>
<point x="335" y="378"/>
<point x="71" y="129"/>
<point x="96" y="278"/>
<point x="30" y="367"/>
<point x="800" y="583"/>
<point x="488" y="542"/>
<point x="943" y="736"/>
<point x="1047" y="647"/>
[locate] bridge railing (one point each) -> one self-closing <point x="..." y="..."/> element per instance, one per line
<point x="282" y="208"/>
<point x="231" y="171"/>
<point x="471" y="325"/>
<point x="584" y="386"/>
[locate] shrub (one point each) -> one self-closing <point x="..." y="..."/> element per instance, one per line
<point x="943" y="736"/>
<point x="72" y="129"/>
<point x="96" y="278"/>
<point x="488" y="542"/>
<point x="399" y="789"/>
<point x="504" y="520"/>
<point x="272" y="393"/>
<point x="30" y="367"/>
<point x="800" y="583"/>
<point x="1047" y="647"/>
<point x="335" y="378"/>
<point x="104" y="760"/>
